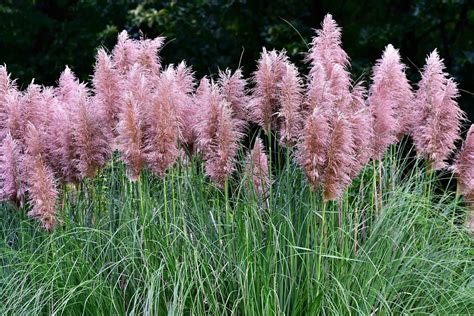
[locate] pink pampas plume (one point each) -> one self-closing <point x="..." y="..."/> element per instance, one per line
<point x="233" y="89"/>
<point x="464" y="165"/>
<point x="148" y="54"/>
<point x="340" y="156"/>
<point x="438" y="115"/>
<point x="311" y="153"/>
<point x="13" y="114"/>
<point x="61" y="145"/>
<point x="162" y="125"/>
<point x="291" y="120"/>
<point x="125" y="53"/>
<point x="384" y="100"/>
<point x="11" y="187"/>
<point x="217" y="133"/>
<point x="184" y="83"/>
<point x="326" y="48"/>
<point x="108" y="88"/>
<point x="361" y="121"/>
<point x="220" y="163"/>
<point x="130" y="138"/>
<point x="40" y="181"/>
<point x="265" y="97"/>
<point x="91" y="139"/>
<point x="257" y="168"/>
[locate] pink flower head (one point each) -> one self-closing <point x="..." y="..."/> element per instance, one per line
<point x="108" y="88"/>
<point x="340" y="156"/>
<point x="257" y="168"/>
<point x="91" y="138"/>
<point x="148" y="54"/>
<point x="290" y="116"/>
<point x="40" y="181"/>
<point x="217" y="133"/>
<point x="10" y="183"/>
<point x="125" y="53"/>
<point x="311" y="153"/>
<point x="265" y="102"/>
<point x="361" y="122"/>
<point x="386" y="96"/>
<point x="326" y="48"/>
<point x="438" y="114"/>
<point x="130" y="138"/>
<point x="233" y="88"/>
<point x="162" y="125"/>
<point x="464" y="165"/>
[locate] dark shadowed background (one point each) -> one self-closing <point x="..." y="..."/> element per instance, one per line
<point x="37" y="38"/>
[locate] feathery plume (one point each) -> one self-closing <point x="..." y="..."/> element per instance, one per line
<point x="233" y="90"/>
<point x="361" y="122"/>
<point x="162" y="125"/>
<point x="91" y="138"/>
<point x="40" y="181"/>
<point x="61" y="145"/>
<point x="10" y="183"/>
<point x="13" y="115"/>
<point x="130" y="138"/>
<point x="265" y="97"/>
<point x="340" y="157"/>
<point x="125" y="53"/>
<point x="438" y="114"/>
<point x="384" y="100"/>
<point x="148" y="54"/>
<point x="290" y="106"/>
<point x="464" y="165"/>
<point x="217" y="133"/>
<point x="326" y="50"/>
<point x="108" y="88"/>
<point x="257" y="168"/>
<point x="311" y="153"/>
<point x="6" y="84"/>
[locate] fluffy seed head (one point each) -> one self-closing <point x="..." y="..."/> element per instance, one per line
<point x="438" y="115"/>
<point x="311" y="153"/>
<point x="257" y="168"/>
<point x="464" y="165"/>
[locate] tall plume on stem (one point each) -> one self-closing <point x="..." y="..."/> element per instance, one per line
<point x="329" y="80"/>
<point x="108" y="88"/>
<point x="266" y="93"/>
<point x="217" y="133"/>
<point x="438" y="115"/>
<point x="340" y="157"/>
<point x="10" y="183"/>
<point x="40" y="181"/>
<point x="326" y="48"/>
<point x="91" y="138"/>
<point x="386" y="96"/>
<point x="291" y="99"/>
<point x="125" y="53"/>
<point x="162" y="125"/>
<point x="130" y="138"/>
<point x="361" y="121"/>
<point x="6" y="85"/>
<point x="187" y="112"/>
<point x="233" y="89"/>
<point x="257" y="168"/>
<point x="148" y="55"/>
<point x="311" y="153"/>
<point x="464" y="165"/>
<point x="464" y="169"/>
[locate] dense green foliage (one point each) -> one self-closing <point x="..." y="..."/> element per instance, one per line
<point x="37" y="38"/>
<point x="180" y="246"/>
